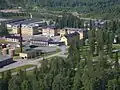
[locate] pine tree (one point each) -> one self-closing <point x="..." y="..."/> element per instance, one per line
<point x="14" y="83"/>
<point x="26" y="85"/>
<point x="48" y="81"/>
<point x="77" y="79"/>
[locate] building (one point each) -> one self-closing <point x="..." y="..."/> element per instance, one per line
<point x="30" y="53"/>
<point x="12" y="38"/>
<point x="40" y="40"/>
<point x="70" y="38"/>
<point x="5" y="60"/>
<point x="45" y="41"/>
<point x="15" y="29"/>
<point x="50" y="31"/>
<point x="30" y="30"/>
<point x="4" y="20"/>
<point x="11" y="23"/>
<point x="29" y="26"/>
<point x="82" y="32"/>
<point x="11" y="11"/>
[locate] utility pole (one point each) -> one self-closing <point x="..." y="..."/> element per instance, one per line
<point x="20" y="38"/>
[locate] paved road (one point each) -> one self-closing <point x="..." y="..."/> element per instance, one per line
<point x="21" y="62"/>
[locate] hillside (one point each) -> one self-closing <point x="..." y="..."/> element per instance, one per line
<point x="91" y="7"/>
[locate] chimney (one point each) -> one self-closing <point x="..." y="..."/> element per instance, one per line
<point x="20" y="38"/>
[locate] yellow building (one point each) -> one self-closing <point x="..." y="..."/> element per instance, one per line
<point x="50" y="31"/>
<point x="64" y="39"/>
<point x="26" y="30"/>
<point x="15" y="29"/>
<point x="29" y="27"/>
<point x="66" y="31"/>
<point x="30" y="30"/>
<point x="70" y="38"/>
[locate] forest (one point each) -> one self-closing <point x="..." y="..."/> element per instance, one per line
<point x="92" y="8"/>
<point x="90" y="65"/>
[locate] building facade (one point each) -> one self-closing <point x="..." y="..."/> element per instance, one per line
<point x="82" y="32"/>
<point x="29" y="27"/>
<point x="70" y="38"/>
<point x="30" y="54"/>
<point x="40" y="40"/>
<point x="30" y="30"/>
<point x="50" y="31"/>
<point x="12" y="38"/>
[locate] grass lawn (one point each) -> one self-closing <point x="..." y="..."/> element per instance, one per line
<point x="21" y="68"/>
<point x="116" y="46"/>
<point x="3" y="41"/>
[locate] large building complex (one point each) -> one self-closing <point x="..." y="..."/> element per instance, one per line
<point x="28" y="26"/>
<point x="42" y="34"/>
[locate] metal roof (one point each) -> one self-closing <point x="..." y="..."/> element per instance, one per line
<point x="41" y="38"/>
<point x="15" y="21"/>
<point x="72" y="34"/>
<point x="75" y="29"/>
<point x="13" y="37"/>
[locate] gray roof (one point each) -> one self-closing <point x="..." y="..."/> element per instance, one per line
<point x="76" y="29"/>
<point x="72" y="34"/>
<point x="26" y="22"/>
<point x="30" y="21"/>
<point x="56" y="38"/>
<point x="40" y="38"/>
<point x="2" y="58"/>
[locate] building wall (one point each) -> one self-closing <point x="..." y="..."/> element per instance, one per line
<point x="31" y="54"/>
<point x="29" y="31"/>
<point x="12" y="40"/>
<point x="49" y="32"/>
<point x="64" y="39"/>
<point x="9" y="26"/>
<point x="69" y="40"/>
<point x="81" y="35"/>
<point x="15" y="30"/>
<point x="26" y="55"/>
<point x="39" y="43"/>
<point x="35" y="30"/>
<point x="64" y="32"/>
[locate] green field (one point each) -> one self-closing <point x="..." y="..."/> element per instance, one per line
<point x="20" y="68"/>
<point x="116" y="46"/>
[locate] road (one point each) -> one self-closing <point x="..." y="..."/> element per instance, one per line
<point x="83" y="18"/>
<point x="21" y="62"/>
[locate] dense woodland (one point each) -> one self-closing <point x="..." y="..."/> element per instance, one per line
<point x="90" y="65"/>
<point x="101" y="8"/>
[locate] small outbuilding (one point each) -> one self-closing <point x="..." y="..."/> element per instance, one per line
<point x="30" y="53"/>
